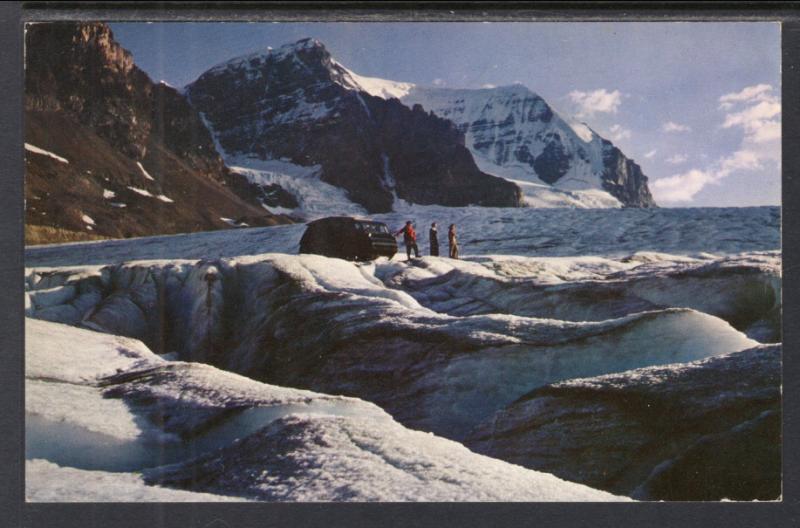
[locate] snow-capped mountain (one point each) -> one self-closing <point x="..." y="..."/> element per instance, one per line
<point x="297" y="104"/>
<point x="512" y="132"/>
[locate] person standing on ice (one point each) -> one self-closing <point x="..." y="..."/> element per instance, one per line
<point x="433" y="235"/>
<point x="453" y="241"/>
<point x="409" y="239"/>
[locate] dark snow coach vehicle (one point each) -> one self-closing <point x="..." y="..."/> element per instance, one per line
<point x="348" y="238"/>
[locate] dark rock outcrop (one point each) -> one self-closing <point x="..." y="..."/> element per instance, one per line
<point x="81" y="70"/>
<point x="706" y="430"/>
<point x="624" y="179"/>
<point x="295" y="103"/>
<point x="552" y="163"/>
<point x="87" y="102"/>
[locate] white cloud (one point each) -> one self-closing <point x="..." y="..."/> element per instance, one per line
<point x="597" y="101"/>
<point x="683" y="187"/>
<point x="760" y="122"/>
<point x="671" y="126"/>
<point x="618" y="132"/>
<point x="760" y="112"/>
<point x="489" y="86"/>
<point x="765" y="131"/>
<point x="650" y="154"/>
<point x="676" y="159"/>
<point x="439" y="82"/>
<point x="759" y="119"/>
<point x="741" y="160"/>
<point x="759" y="92"/>
<point x="758" y="115"/>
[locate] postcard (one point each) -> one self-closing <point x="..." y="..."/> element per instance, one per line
<point x="402" y="261"/>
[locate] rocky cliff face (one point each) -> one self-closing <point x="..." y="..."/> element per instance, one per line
<point x="513" y="132"/>
<point x="135" y="157"/>
<point x="297" y="103"/>
<point x="79" y="69"/>
<point x="624" y="179"/>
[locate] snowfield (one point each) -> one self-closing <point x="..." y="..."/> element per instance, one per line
<point x="225" y="363"/>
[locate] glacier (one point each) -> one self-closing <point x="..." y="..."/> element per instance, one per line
<point x="328" y="325"/>
<point x="178" y="363"/>
<point x="482" y="231"/>
<point x="175" y="420"/>
<point x="721" y="415"/>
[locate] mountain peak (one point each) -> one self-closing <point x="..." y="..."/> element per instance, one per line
<point x="305" y="43"/>
<point x="257" y="58"/>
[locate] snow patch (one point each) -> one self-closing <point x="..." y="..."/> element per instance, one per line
<point x="214" y="138"/>
<point x="143" y="192"/>
<point x="144" y="172"/>
<point x="37" y="150"/>
<point x="232" y="222"/>
<point x="374" y="86"/>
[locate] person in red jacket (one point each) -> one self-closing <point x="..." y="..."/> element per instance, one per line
<point x="410" y="239"/>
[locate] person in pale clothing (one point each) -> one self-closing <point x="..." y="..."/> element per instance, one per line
<point x="451" y="238"/>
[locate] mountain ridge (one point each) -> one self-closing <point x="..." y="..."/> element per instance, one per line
<point x="297" y="103"/>
<point x="527" y="141"/>
<point x="138" y="160"/>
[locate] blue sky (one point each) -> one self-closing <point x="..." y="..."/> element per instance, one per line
<point x="697" y="105"/>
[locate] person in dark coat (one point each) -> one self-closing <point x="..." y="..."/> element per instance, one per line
<point x="433" y="235"/>
<point x="410" y="239"/>
<point x="453" y="241"/>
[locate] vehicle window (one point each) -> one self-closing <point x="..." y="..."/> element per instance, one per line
<point x="371" y="227"/>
